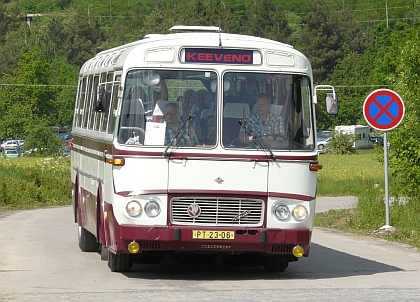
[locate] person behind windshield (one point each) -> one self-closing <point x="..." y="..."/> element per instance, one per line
<point x="249" y="92"/>
<point x="188" y="103"/>
<point x="173" y="124"/>
<point x="137" y="92"/>
<point x="263" y="122"/>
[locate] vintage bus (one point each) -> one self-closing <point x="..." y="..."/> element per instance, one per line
<point x="168" y="160"/>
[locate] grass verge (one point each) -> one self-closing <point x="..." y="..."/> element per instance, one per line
<point x="31" y="182"/>
<point x="362" y="175"/>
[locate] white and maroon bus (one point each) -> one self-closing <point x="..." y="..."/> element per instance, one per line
<point x="143" y="189"/>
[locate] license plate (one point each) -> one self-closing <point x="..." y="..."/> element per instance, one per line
<point x="207" y="234"/>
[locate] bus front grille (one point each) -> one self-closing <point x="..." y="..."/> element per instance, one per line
<point x="216" y="211"/>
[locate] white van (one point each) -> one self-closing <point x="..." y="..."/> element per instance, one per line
<point x="361" y="133"/>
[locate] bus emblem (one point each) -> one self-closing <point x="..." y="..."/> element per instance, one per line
<point x="194" y="210"/>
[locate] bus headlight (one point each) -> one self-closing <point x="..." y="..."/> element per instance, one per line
<point x="300" y="212"/>
<point x="133" y="208"/>
<point x="152" y="208"/>
<point x="281" y="211"/>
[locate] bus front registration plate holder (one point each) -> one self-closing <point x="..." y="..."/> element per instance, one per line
<point x="209" y="234"/>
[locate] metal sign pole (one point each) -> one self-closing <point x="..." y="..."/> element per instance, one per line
<point x="384" y="110"/>
<point x="387" y="225"/>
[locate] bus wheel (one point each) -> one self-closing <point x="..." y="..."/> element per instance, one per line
<point x="119" y="262"/>
<point x="275" y="264"/>
<point x="87" y="241"/>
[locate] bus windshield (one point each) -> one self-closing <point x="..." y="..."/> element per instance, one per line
<point x="162" y="108"/>
<point x="267" y="110"/>
<point x="178" y="108"/>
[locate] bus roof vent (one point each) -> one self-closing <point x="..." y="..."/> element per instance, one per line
<point x="185" y="28"/>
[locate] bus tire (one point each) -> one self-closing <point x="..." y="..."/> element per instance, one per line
<point x="119" y="262"/>
<point x="87" y="241"/>
<point x="275" y="264"/>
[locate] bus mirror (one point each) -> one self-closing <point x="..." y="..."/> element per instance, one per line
<point x="226" y="85"/>
<point x="151" y="78"/>
<point x="331" y="103"/>
<point x="213" y="85"/>
<point x="100" y="104"/>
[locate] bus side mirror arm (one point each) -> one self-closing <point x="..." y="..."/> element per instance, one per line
<point x="331" y="100"/>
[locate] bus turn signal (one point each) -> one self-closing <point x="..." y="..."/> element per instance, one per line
<point x="315" y="167"/>
<point x="116" y="161"/>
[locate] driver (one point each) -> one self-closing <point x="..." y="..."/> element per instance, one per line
<point x="263" y="122"/>
<point x="173" y="125"/>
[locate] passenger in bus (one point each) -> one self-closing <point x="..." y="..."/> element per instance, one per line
<point x="161" y="95"/>
<point x="263" y="122"/>
<point x="249" y="92"/>
<point x="173" y="124"/>
<point x="188" y="103"/>
<point x="137" y="92"/>
<point x="203" y="104"/>
<point x="136" y="109"/>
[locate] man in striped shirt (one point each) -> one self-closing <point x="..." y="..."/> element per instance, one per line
<point x="263" y="123"/>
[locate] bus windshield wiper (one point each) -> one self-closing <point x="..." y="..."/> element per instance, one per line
<point x="178" y="135"/>
<point x="257" y="140"/>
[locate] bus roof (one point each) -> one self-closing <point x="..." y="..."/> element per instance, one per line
<point x="198" y="36"/>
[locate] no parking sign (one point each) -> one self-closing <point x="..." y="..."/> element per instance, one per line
<point x="383" y="109"/>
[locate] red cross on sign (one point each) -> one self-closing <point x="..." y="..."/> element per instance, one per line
<point x="383" y="109"/>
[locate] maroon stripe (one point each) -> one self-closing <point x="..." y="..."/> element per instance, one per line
<point x="219" y="193"/>
<point x="184" y="154"/>
<point x="291" y="196"/>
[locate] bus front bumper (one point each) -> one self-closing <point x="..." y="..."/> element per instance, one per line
<point x="192" y="238"/>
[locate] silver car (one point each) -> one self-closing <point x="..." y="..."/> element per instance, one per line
<point x="322" y="143"/>
<point x="11" y="153"/>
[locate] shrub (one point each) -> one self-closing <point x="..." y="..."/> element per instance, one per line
<point x="341" y="143"/>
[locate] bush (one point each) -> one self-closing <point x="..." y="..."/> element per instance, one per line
<point x="341" y="143"/>
<point x="42" y="141"/>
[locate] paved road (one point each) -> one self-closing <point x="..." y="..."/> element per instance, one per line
<point x="324" y="204"/>
<point x="40" y="261"/>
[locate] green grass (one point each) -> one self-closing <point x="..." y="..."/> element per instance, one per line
<point x="350" y="174"/>
<point x="362" y="175"/>
<point x="33" y="182"/>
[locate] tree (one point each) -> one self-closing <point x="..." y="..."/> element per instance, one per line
<point x="357" y="74"/>
<point x="265" y="19"/>
<point x="84" y="39"/>
<point x="35" y="92"/>
<point x="41" y="140"/>
<point x="329" y="36"/>
<point x="405" y="161"/>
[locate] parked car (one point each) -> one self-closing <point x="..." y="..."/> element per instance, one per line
<point x="11" y="153"/>
<point x="66" y="152"/>
<point x="322" y="144"/>
<point x="10" y="145"/>
<point x="377" y="140"/>
<point x="324" y="134"/>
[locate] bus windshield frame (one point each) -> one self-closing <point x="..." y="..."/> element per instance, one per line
<point x="196" y="100"/>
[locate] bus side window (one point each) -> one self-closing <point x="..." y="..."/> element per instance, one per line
<point x="112" y="115"/>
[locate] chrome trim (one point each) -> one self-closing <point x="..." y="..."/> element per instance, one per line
<point x="218" y="211"/>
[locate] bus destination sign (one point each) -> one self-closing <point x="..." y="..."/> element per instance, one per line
<point x="218" y="56"/>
